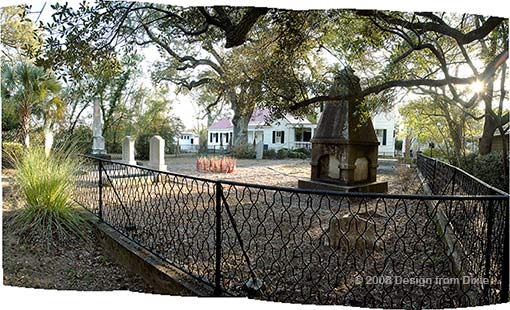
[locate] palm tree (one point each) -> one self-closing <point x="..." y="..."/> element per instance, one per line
<point x="29" y="88"/>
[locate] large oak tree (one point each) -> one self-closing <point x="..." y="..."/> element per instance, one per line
<point x="391" y="50"/>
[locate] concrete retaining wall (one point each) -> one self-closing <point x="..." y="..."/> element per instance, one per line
<point x="162" y="276"/>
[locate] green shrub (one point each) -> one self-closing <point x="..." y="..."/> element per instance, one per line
<point x="244" y="151"/>
<point x="11" y="151"/>
<point x="269" y="154"/>
<point x="294" y="154"/>
<point x="46" y="186"/>
<point x="286" y="153"/>
<point x="9" y="135"/>
<point x="300" y="153"/>
<point x="114" y="148"/>
<point x="488" y="168"/>
<point x="80" y="140"/>
<point x="142" y="144"/>
<point x="142" y="147"/>
<point x="282" y="153"/>
<point x="407" y="160"/>
<point x="307" y="152"/>
<point x="435" y="153"/>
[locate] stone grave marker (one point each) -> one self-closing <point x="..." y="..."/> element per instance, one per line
<point x="157" y="153"/>
<point x="128" y="150"/>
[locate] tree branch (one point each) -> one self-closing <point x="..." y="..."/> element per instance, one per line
<point x="442" y="28"/>
<point x="190" y="61"/>
<point x="235" y="34"/>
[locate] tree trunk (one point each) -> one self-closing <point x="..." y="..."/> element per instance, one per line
<point x="408" y="142"/>
<point x="491" y="121"/>
<point x="48" y="139"/>
<point x="242" y="115"/>
<point x="456" y="134"/>
<point x="25" y="126"/>
<point x="489" y="128"/>
<point x="240" y="130"/>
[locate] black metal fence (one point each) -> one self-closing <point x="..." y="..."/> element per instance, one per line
<point x="444" y="178"/>
<point x="303" y="246"/>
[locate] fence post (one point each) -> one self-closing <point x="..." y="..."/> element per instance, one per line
<point x="488" y="249"/>
<point x="505" y="283"/>
<point x="453" y="181"/>
<point x="100" y="183"/>
<point x="217" y="276"/>
<point x="434" y="173"/>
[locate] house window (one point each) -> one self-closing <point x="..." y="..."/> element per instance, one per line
<point x="213" y="137"/>
<point x="226" y="137"/>
<point x="303" y="134"/>
<point x="278" y="137"/>
<point x="381" y="136"/>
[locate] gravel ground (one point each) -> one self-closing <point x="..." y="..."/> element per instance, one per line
<point x="279" y="172"/>
<point x="75" y="265"/>
<point x="284" y="234"/>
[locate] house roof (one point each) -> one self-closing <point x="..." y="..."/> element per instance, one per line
<point x="188" y="132"/>
<point x="224" y="123"/>
<point x="260" y="117"/>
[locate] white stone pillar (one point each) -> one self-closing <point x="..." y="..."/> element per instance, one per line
<point x="259" y="148"/>
<point x="128" y="150"/>
<point x="98" y="147"/>
<point x="157" y="153"/>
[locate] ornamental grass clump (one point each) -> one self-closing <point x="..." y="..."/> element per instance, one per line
<point x="46" y="183"/>
<point x="216" y="164"/>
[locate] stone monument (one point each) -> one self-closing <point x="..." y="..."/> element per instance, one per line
<point x="128" y="150"/>
<point x="344" y="148"/>
<point x="98" y="147"/>
<point x="259" y="149"/>
<point x="157" y="153"/>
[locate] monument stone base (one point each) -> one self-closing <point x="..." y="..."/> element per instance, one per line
<point x="373" y="187"/>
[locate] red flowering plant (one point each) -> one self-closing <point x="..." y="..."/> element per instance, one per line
<point x="215" y="164"/>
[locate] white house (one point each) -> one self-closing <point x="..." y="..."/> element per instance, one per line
<point x="292" y="132"/>
<point x="384" y="125"/>
<point x="288" y="132"/>
<point x="188" y="142"/>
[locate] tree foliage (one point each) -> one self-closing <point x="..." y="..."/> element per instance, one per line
<point x="434" y="120"/>
<point x="21" y="38"/>
<point x="248" y="56"/>
<point x="29" y="89"/>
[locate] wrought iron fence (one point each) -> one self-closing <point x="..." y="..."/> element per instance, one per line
<point x="304" y="246"/>
<point x="444" y="178"/>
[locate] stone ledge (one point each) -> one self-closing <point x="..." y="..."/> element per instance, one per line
<point x="161" y="275"/>
<point x="373" y="187"/>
